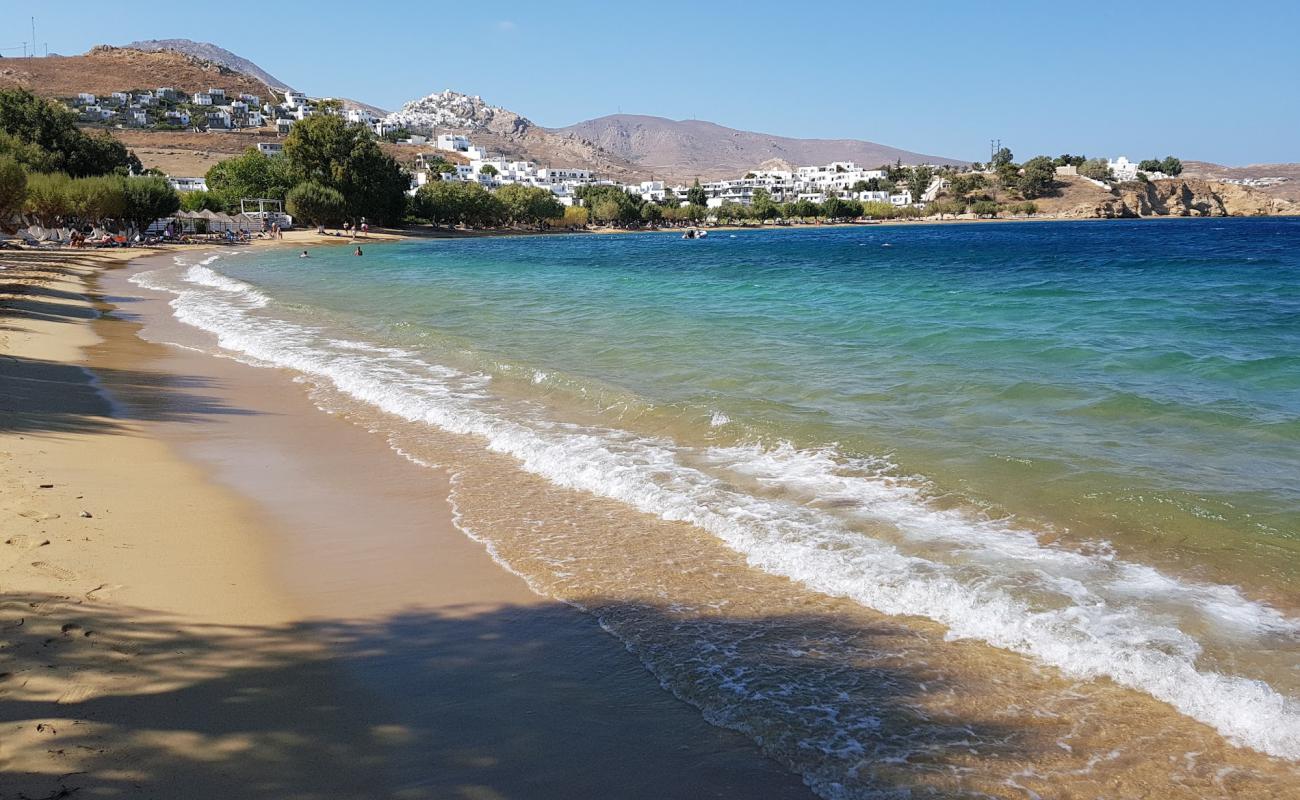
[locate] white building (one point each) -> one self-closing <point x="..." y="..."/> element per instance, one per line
<point x="251" y="99"/>
<point x="270" y="148"/>
<point x="294" y="99"/>
<point x="360" y="116"/>
<point x="1123" y="169"/>
<point x="282" y="125"/>
<point x="188" y="184"/>
<point x="452" y="142"/>
<point x="121" y="97"/>
<point x="87" y="99"/>
<point x="201" y="99"/>
<point x="217" y="95"/>
<point x="177" y="117"/>
<point x="166" y="93"/>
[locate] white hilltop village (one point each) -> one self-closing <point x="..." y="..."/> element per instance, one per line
<point x="444" y="122"/>
<point x="450" y="109"/>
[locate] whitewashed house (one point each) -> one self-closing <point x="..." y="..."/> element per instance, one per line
<point x="270" y="148"/>
<point x="294" y="99"/>
<point x="283" y="124"/>
<point x="166" y="93"/>
<point x="87" y="99"/>
<point x="1123" y="169"/>
<point x="201" y="99"/>
<point x="360" y="116"/>
<point x="188" y="184"/>
<point x="217" y="95"/>
<point x="220" y="118"/>
<point x="452" y="142"/>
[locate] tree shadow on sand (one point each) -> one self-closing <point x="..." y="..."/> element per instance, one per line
<point x="37" y="395"/>
<point x="494" y="703"/>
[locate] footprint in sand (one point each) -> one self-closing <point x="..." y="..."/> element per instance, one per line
<point x="102" y="591"/>
<point x="54" y="571"/>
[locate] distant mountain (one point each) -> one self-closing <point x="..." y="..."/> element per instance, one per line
<point x="684" y="149"/>
<point x="210" y="52"/>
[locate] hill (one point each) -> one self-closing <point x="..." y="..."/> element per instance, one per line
<point x="1277" y="180"/>
<point x="504" y="133"/>
<point x="206" y="51"/>
<point x="110" y="69"/>
<point x="683" y="149"/>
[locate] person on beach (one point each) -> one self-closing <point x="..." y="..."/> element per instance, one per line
<point x="364" y="227"/>
<point x="358" y="253"/>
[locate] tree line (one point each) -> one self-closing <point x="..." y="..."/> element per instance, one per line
<point x="57" y="173"/>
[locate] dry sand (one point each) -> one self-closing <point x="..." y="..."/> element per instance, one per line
<point x="211" y="589"/>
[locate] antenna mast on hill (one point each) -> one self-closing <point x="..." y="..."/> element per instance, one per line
<point x="33" y="36"/>
<point x="994" y="146"/>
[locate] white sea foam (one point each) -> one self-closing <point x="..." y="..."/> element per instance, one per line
<point x="1109" y="618"/>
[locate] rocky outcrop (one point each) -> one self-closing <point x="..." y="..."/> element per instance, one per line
<point x="1188" y="197"/>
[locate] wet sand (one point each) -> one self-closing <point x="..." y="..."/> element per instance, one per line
<point x="265" y="601"/>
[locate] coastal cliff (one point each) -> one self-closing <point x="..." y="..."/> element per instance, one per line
<point x="1184" y="197"/>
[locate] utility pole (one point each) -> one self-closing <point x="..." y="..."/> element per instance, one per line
<point x="33" y="36"/>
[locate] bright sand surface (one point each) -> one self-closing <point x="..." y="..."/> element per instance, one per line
<point x="208" y="588"/>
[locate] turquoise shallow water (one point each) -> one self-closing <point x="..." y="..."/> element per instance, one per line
<point x="1127" y="379"/>
<point x="1076" y="442"/>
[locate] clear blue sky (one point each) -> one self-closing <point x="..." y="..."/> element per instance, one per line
<point x="1206" y="80"/>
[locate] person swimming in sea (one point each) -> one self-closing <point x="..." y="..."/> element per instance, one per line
<point x="304" y="255"/>
<point x="358" y="253"/>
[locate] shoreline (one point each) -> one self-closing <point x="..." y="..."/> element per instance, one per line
<point x="233" y="615"/>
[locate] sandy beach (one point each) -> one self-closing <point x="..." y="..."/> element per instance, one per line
<point x="211" y="589"/>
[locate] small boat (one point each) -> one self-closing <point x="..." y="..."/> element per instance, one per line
<point x="693" y="233"/>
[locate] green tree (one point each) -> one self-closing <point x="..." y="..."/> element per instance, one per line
<point x="439" y="202"/>
<point x="97" y="198"/>
<point x="918" y="180"/>
<point x="984" y="208"/>
<point x="1068" y="160"/>
<point x="315" y="203"/>
<point x="1097" y="169"/>
<point x="1002" y="157"/>
<point x="200" y="201"/>
<point x="1037" y="177"/>
<point x="876" y="210"/>
<point x="13" y="188"/>
<point x="49" y="140"/>
<point x="835" y="208"/>
<point x="489" y="170"/>
<point x="670" y="199"/>
<point x="147" y="198"/>
<point x="528" y="205"/>
<point x="860" y="186"/>
<point x="611" y="204"/>
<point x="966" y="184"/>
<point x="762" y="207"/>
<point x="1150" y="165"/>
<point x="696" y="195"/>
<point x="327" y="150"/>
<point x="47" y="196"/>
<point x="651" y="213"/>
<point x="1171" y="166"/>
<point x="249" y="175"/>
<point x="804" y="209"/>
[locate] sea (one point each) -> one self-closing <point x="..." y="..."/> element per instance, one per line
<point x="987" y="510"/>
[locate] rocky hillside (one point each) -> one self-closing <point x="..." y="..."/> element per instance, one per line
<point x="1278" y="180"/>
<point x="110" y="69"/>
<point x="1174" y="197"/>
<point x="684" y="149"/>
<point x="206" y="51"/>
<point x="504" y="133"/>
